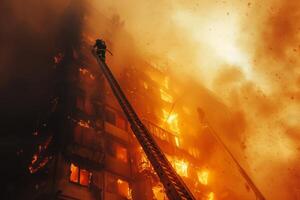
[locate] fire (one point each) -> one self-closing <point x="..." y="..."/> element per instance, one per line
<point x="158" y="192"/>
<point x="123" y="188"/>
<point x="181" y="167"/>
<point x="165" y="96"/>
<point x="172" y="120"/>
<point x="34" y="158"/>
<point x="32" y="169"/>
<point x="177" y="141"/>
<point x="74" y="173"/>
<point x="143" y="161"/>
<point x="203" y="177"/>
<point x="121" y="154"/>
<point x="211" y="196"/>
<point x="85" y="124"/>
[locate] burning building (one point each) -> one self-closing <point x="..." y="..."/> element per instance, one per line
<point x="80" y="144"/>
<point x="102" y="159"/>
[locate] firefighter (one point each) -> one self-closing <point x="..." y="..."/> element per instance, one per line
<point x="100" y="49"/>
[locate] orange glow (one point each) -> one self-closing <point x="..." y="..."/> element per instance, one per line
<point x="172" y="120"/>
<point x="211" y="196"/>
<point x="74" y="173"/>
<point x="203" y="177"/>
<point x="145" y="85"/>
<point x="123" y="188"/>
<point x="177" y="141"/>
<point x="121" y="153"/>
<point x="84" y="177"/>
<point x="181" y="167"/>
<point x="166" y="82"/>
<point x="83" y="123"/>
<point x="32" y="169"/>
<point x="81" y="176"/>
<point x="165" y="96"/>
<point x="158" y="192"/>
<point x="143" y="162"/>
<point x="34" y="159"/>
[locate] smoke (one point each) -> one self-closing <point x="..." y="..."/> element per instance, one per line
<point x="32" y="33"/>
<point x="243" y="58"/>
<point x="238" y="60"/>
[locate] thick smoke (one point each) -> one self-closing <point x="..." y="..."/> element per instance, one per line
<point x="32" y="33"/>
<point x="246" y="56"/>
<point x="240" y="59"/>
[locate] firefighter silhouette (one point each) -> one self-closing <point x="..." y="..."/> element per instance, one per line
<point x="100" y="49"/>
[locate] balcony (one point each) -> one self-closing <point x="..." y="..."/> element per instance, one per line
<point x="84" y="156"/>
<point x="160" y="133"/>
<point x="116" y="132"/>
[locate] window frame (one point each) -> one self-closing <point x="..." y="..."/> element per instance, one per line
<point x="78" y="176"/>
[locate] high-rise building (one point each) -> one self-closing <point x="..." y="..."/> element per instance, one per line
<point x="102" y="159"/>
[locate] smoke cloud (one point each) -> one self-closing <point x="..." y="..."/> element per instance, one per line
<point x="240" y="60"/>
<point x="245" y="55"/>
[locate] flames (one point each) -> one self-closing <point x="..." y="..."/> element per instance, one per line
<point x="83" y="123"/>
<point x="40" y="158"/>
<point x="171" y="120"/>
<point x="181" y="167"/>
<point x="203" y="176"/>
<point x="211" y="196"/>
<point x="165" y="96"/>
<point x="123" y="188"/>
<point x="246" y="55"/>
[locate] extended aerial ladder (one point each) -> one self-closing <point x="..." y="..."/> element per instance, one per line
<point x="174" y="186"/>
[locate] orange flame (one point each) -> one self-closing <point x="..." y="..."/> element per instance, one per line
<point x="203" y="177"/>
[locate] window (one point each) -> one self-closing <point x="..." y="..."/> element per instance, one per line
<point x="123" y="188"/>
<point x="119" y="186"/>
<point x="118" y="151"/>
<point x="115" y="119"/>
<point x="121" y="153"/>
<point x="110" y="116"/>
<point x="181" y="167"/>
<point x="80" y="176"/>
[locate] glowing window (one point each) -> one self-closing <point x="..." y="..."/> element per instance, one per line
<point x="172" y="121"/>
<point x="84" y="177"/>
<point x="80" y="176"/>
<point x="117" y="185"/>
<point x="74" y="173"/>
<point x="121" y="153"/>
<point x="117" y="150"/>
<point x="123" y="188"/>
<point x="203" y="177"/>
<point x="181" y="167"/>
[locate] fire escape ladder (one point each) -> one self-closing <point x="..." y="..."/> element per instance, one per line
<point x="173" y="184"/>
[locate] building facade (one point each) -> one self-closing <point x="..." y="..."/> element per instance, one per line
<point x="102" y="159"/>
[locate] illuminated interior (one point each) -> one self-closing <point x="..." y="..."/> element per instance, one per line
<point x="80" y="176"/>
